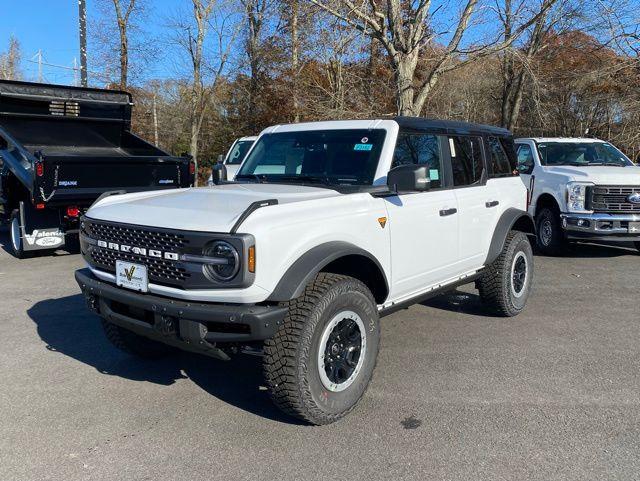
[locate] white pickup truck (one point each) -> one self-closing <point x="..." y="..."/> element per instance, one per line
<point x="328" y="227"/>
<point x="580" y="189"/>
<point x="236" y="154"/>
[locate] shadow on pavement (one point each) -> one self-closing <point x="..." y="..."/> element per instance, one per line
<point x="66" y="326"/>
<point x="459" y="301"/>
<point x="4" y="239"/>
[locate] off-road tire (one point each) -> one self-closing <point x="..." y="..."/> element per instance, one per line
<point x="496" y="286"/>
<point x="134" y="344"/>
<point x="550" y="238"/>
<point x="16" y="243"/>
<point x="291" y="364"/>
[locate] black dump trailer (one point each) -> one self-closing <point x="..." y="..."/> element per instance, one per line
<point x="63" y="147"/>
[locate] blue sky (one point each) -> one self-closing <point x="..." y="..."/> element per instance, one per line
<point x="52" y="27"/>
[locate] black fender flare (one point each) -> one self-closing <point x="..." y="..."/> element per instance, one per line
<point x="511" y="219"/>
<point x="306" y="267"/>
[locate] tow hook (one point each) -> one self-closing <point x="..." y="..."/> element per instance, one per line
<point x="92" y="303"/>
<point x="166" y="325"/>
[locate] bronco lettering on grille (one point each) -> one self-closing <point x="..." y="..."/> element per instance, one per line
<point x="141" y="251"/>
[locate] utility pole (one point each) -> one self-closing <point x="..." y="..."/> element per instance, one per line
<point x="75" y="71"/>
<point x="82" y="19"/>
<point x="155" y="120"/>
<point x="38" y="60"/>
<point x="39" y="54"/>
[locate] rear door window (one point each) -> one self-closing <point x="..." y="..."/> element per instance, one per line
<point x="466" y="160"/>
<point x="499" y="160"/>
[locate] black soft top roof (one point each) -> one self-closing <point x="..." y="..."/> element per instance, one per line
<point x="449" y="126"/>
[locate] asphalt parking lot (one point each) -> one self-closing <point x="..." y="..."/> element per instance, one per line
<point x="457" y="395"/>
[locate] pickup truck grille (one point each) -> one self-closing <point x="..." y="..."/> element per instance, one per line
<point x="613" y="199"/>
<point x="160" y="270"/>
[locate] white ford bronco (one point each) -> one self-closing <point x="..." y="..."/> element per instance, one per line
<point x="328" y="227"/>
<point x="580" y="189"/>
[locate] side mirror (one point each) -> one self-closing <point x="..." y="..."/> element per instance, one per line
<point x="218" y="173"/>
<point x="408" y="178"/>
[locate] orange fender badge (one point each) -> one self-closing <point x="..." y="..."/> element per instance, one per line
<point x="382" y="221"/>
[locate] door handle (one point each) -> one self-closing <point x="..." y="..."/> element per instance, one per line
<point x="445" y="212"/>
<point x="490" y="204"/>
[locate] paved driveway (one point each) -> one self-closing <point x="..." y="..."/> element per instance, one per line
<point x="457" y="395"/>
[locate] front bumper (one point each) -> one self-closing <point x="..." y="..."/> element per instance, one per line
<point x="596" y="226"/>
<point x="191" y="326"/>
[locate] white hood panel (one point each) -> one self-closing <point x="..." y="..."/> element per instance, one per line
<point x="599" y="174"/>
<point x="210" y="209"/>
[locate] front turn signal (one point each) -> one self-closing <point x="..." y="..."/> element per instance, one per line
<point x="251" y="260"/>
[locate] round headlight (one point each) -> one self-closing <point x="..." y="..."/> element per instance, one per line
<point x="224" y="251"/>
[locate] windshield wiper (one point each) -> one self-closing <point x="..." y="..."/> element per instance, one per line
<point x="316" y="179"/>
<point x="258" y="178"/>
<point x="608" y="164"/>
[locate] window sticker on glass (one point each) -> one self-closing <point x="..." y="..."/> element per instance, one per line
<point x="434" y="174"/>
<point x="364" y="147"/>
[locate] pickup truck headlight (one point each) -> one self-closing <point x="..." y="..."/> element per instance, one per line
<point x="228" y="261"/>
<point x="576" y="196"/>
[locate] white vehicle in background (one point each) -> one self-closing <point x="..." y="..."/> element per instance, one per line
<point x="579" y="189"/>
<point x="328" y="227"/>
<point x="235" y="156"/>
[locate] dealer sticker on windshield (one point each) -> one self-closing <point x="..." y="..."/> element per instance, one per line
<point x="132" y="276"/>
<point x="365" y="147"/>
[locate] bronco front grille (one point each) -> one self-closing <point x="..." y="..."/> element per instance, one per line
<point x="161" y="270"/>
<point x="135" y="236"/>
<point x="613" y="199"/>
<point x="158" y="269"/>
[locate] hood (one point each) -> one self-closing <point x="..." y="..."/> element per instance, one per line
<point x="208" y="209"/>
<point x="599" y="174"/>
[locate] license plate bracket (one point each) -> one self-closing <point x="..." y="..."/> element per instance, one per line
<point x="132" y="276"/>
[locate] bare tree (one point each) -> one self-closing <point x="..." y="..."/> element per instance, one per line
<point x="192" y="34"/>
<point x="295" y="58"/>
<point x="255" y="12"/>
<point x="516" y="63"/>
<point x="10" y="61"/>
<point x="403" y="27"/>
<point x="123" y="14"/>
<point x="121" y="45"/>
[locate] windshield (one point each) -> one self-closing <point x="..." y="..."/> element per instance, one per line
<point x="581" y="154"/>
<point x="318" y="156"/>
<point x="238" y="151"/>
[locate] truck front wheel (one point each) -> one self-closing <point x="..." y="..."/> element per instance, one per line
<point x="506" y="283"/>
<point x="320" y="362"/>
<point x="549" y="236"/>
<point x="132" y="343"/>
